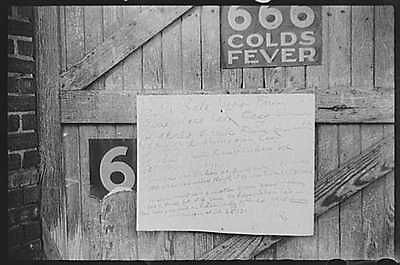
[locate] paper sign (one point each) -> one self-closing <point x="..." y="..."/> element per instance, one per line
<point x="226" y="163"/>
<point x="264" y="36"/>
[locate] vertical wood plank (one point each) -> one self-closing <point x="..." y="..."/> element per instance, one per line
<point x="191" y="49"/>
<point x="93" y="21"/>
<point x="362" y="46"/>
<point x="112" y="21"/>
<point x="295" y="77"/>
<point x="384" y="77"/>
<point x="210" y="48"/>
<point x="388" y="234"/>
<point x="75" y="49"/>
<point x="152" y="72"/>
<point x="317" y="75"/>
<point x="172" y="56"/>
<point x="132" y="65"/>
<point x="274" y="79"/>
<point x="351" y="237"/>
<point x="384" y="46"/>
<point x="49" y="130"/>
<point x="91" y="227"/>
<point x="253" y="78"/>
<point x="73" y="192"/>
<point x="63" y="47"/>
<point x="74" y="34"/>
<point x="328" y="223"/>
<point x="373" y="208"/>
<point x="350" y="210"/>
<point x="338" y="75"/>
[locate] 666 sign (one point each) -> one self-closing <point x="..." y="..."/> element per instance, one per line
<point x="263" y="36"/>
<point x="112" y="164"/>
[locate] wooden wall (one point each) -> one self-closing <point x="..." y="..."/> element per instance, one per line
<point x="358" y="51"/>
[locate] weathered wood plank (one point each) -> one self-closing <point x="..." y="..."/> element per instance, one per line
<point x="112" y="21"/>
<point x="210" y="48"/>
<point x="76" y="42"/>
<point x="253" y="78"/>
<point x="120" y="44"/>
<point x="91" y="229"/>
<point x="47" y="54"/>
<point x="191" y="49"/>
<point x="73" y="191"/>
<point x="132" y="65"/>
<point x="327" y="160"/>
<point x="274" y="80"/>
<point x="339" y="75"/>
<point x="171" y="54"/>
<point x="351" y="238"/>
<point x="384" y="46"/>
<point x="388" y="131"/>
<point x="118" y="224"/>
<point x="350" y="210"/>
<point x="368" y="104"/>
<point x="93" y="36"/>
<point x="331" y="189"/>
<point x="373" y="207"/>
<point x="152" y="64"/>
<point x="317" y="75"/>
<point x="384" y="75"/>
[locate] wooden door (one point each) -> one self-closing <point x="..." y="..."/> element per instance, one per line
<point x="181" y="54"/>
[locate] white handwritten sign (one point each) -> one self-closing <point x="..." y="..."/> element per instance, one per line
<point x="226" y="163"/>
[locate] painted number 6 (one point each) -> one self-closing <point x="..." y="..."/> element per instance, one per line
<point x="234" y="14"/>
<point x="107" y="167"/>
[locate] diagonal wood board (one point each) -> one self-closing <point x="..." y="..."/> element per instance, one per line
<point x="332" y="189"/>
<point x="119" y="45"/>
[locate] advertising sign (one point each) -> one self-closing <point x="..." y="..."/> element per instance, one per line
<point x="265" y="36"/>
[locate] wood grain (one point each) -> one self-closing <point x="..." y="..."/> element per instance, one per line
<point x="384" y="75"/>
<point x="367" y="105"/>
<point x="210" y="48"/>
<point x="118" y="225"/>
<point x="52" y="206"/>
<point x="373" y="202"/>
<point x="191" y="49"/>
<point x="112" y="21"/>
<point x="119" y="45"/>
<point x="91" y="229"/>
<point x="93" y="36"/>
<point x="132" y="65"/>
<point x="384" y="46"/>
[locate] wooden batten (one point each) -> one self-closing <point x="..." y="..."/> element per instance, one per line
<point x="119" y="45"/>
<point x="334" y="105"/>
